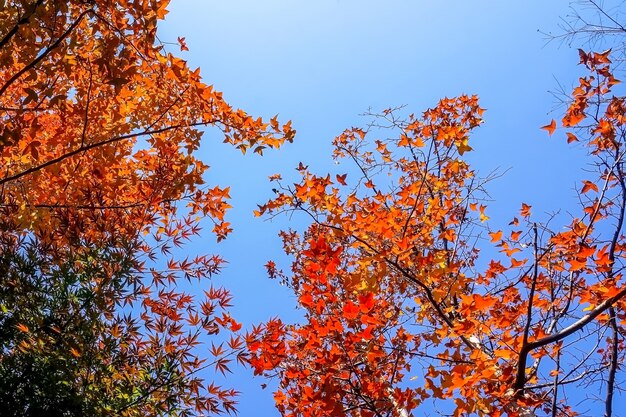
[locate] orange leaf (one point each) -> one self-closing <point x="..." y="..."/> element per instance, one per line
<point x="571" y="137"/>
<point x="515" y="263"/>
<point x="483" y="302"/>
<point x="505" y="354"/>
<point x="550" y="128"/>
<point x="577" y="264"/>
<point x="23" y="328"/>
<point x="588" y="185"/>
<point x="496" y="236"/>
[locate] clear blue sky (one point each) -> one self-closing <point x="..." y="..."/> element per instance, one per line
<point x="322" y="63"/>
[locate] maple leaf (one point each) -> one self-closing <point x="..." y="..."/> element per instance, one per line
<point x="350" y="310"/>
<point x="496" y="236"/>
<point x="525" y="210"/>
<point x="183" y="44"/>
<point x="588" y="185"/>
<point x="550" y="128"/>
<point x="571" y="137"/>
<point x="22" y="328"/>
<point x="483" y="216"/>
<point x="341" y="179"/>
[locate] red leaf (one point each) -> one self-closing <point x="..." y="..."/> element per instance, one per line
<point x="350" y="310"/>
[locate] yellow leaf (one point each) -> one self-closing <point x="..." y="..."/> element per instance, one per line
<point x="483" y="216"/>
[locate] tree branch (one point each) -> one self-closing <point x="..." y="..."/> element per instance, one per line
<point x="608" y="403"/>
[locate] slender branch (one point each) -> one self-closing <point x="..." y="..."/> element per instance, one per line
<point x="579" y="324"/>
<point x="603" y="12"/>
<point x="563" y="311"/>
<point x="555" y="387"/>
<point x="612" y="315"/>
<point x="520" y="378"/>
<point x="608" y="403"/>
<point x="567" y="381"/>
<point x="431" y="299"/>
<point x="419" y="191"/>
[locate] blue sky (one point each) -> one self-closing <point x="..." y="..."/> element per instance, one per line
<point x="323" y="63"/>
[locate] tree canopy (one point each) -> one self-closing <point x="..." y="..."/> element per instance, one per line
<point x="409" y="293"/>
<point x="98" y="134"/>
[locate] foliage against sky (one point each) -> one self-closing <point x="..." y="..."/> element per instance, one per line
<point x="102" y="180"/>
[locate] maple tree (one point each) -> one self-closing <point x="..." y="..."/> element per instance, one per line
<point x="99" y="178"/>
<point x="401" y="308"/>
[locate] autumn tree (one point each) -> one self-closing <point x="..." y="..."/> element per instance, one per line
<point x="98" y="134"/>
<point x="400" y="306"/>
